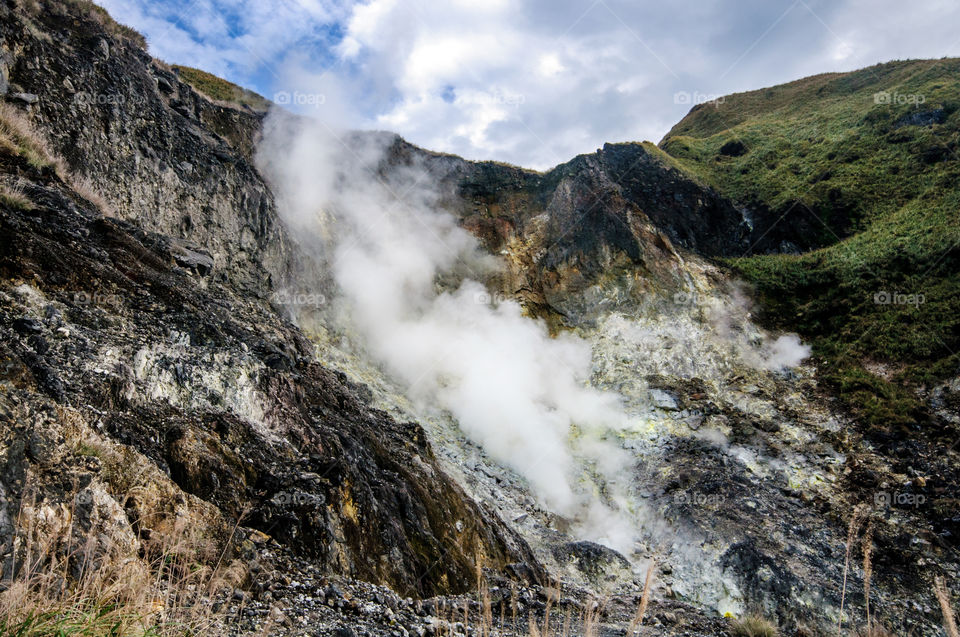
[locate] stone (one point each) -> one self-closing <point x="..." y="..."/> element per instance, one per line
<point x="24" y="98"/>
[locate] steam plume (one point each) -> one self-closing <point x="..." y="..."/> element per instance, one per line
<point x="512" y="388"/>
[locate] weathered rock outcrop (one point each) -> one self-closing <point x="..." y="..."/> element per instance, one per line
<point x="157" y="152"/>
<point x="157" y="350"/>
<point x="601" y="225"/>
<point x="147" y="383"/>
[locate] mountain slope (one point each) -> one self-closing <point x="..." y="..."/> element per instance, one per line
<point x="139" y="261"/>
<point x="859" y="172"/>
<point x="172" y="358"/>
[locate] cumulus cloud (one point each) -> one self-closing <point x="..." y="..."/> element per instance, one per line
<point x="533" y="82"/>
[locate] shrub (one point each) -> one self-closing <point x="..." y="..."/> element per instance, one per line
<point x="14" y="198"/>
<point x="753" y="626"/>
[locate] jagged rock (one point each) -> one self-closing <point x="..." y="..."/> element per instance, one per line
<point x="114" y="360"/>
<point x="27" y="99"/>
<point x="205" y="381"/>
<point x="199" y="262"/>
<point x="593" y="560"/>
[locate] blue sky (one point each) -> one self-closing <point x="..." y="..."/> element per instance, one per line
<point x="531" y="82"/>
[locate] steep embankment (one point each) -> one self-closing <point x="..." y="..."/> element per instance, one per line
<point x="852" y="179"/>
<point x="742" y="479"/>
<point x="156" y="407"/>
<point x="595" y="234"/>
<point x="148" y="384"/>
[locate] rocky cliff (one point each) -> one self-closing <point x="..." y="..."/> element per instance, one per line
<point x="162" y="401"/>
<point x="141" y="352"/>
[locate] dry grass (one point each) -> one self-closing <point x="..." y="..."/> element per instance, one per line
<point x="867" y="570"/>
<point x="644" y="599"/>
<point x="856" y="522"/>
<point x="90" y="10"/>
<point x="13" y="197"/>
<point x="155" y="576"/>
<point x="943" y="596"/>
<point x="19" y="137"/>
<point x="63" y="583"/>
<point x="87" y="190"/>
<point x="753" y="626"/>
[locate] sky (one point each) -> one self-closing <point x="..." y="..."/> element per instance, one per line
<point x="529" y="82"/>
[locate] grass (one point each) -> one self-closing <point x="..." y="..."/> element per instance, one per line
<point x="221" y="90"/>
<point x="88" y="9"/>
<point x="19" y="137"/>
<point x="943" y="597"/>
<point x="873" y="200"/>
<point x="86" y="189"/>
<point x="753" y="626"/>
<point x="64" y="581"/>
<point x="13" y="197"/>
<point x="166" y="593"/>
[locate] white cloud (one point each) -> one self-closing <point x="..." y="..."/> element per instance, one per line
<point x="533" y="82"/>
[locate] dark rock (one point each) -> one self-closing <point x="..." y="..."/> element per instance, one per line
<point x="592" y="559"/>
<point x="922" y="118"/>
<point x="24" y="98"/>
<point x="26" y="325"/>
<point x="733" y="148"/>
<point x="199" y="262"/>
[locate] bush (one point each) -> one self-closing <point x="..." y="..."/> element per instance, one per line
<point x="753" y="626"/>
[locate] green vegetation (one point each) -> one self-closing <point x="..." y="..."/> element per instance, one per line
<point x="91" y="621"/>
<point x="221" y="90"/>
<point x="14" y="198"/>
<point x="870" y="160"/>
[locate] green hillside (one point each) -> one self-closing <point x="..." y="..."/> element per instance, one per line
<point x="219" y="89"/>
<point x="869" y="161"/>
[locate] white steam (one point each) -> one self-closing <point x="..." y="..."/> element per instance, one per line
<point x="785" y="352"/>
<point x="514" y="390"/>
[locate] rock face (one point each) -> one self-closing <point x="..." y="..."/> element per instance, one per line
<point x="219" y="394"/>
<point x="603" y="222"/>
<point x="154" y="149"/>
<point x="156" y="352"/>
<point x="150" y="382"/>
